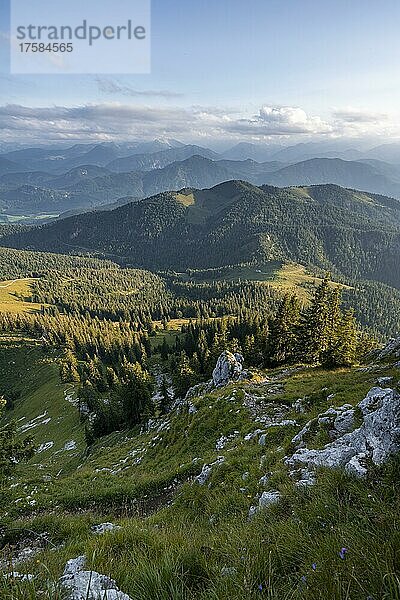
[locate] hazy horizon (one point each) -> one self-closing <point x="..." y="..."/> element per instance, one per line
<point x="335" y="77"/>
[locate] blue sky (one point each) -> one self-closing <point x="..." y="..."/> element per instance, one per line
<point x="318" y="67"/>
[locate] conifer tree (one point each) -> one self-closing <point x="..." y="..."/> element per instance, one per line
<point x="282" y="340"/>
<point x="344" y="347"/>
<point x="135" y="393"/>
<point x="315" y="327"/>
<point x="165" y="396"/>
<point x="184" y="375"/>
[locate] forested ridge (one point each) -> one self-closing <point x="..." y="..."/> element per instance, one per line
<point x="105" y="353"/>
<point x="350" y="233"/>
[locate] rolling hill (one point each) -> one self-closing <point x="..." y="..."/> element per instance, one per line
<point x="349" y="232"/>
<point x="353" y="174"/>
<point x="158" y="160"/>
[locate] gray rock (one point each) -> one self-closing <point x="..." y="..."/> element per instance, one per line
<point x="381" y="381"/>
<point x="252" y="511"/>
<point x="207" y="469"/>
<point x="266" y="499"/>
<point x="391" y="348"/>
<point x="104" y="528"/>
<point x="269" y="498"/>
<point x="228" y="368"/>
<point x="344" y="422"/>
<point x="354" y="466"/>
<point x="19" y="576"/>
<point x="192" y="410"/>
<point x="264" y="480"/>
<point x="299" y="437"/>
<point x="298" y="406"/>
<point x="253" y="434"/>
<point x="88" y="585"/>
<point x="228" y="571"/>
<point x="307" y="479"/>
<point x="197" y="390"/>
<point x="376" y="439"/>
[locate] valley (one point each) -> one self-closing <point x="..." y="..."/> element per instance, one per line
<point x="184" y="373"/>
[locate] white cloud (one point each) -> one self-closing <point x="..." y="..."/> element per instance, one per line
<point x="359" y="122"/>
<point x="119" y="121"/>
<point x="359" y="115"/>
<point x="280" y="121"/>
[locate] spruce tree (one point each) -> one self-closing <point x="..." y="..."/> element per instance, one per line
<point x="282" y="339"/>
<point x="315" y="328"/>
<point x="136" y="393"/>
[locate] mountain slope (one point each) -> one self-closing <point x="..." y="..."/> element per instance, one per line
<point x="211" y="513"/>
<point x="357" y="175"/>
<point x="350" y="232"/>
<point x="158" y="160"/>
<point x="7" y="166"/>
<point x="196" y="172"/>
<point x="90" y="186"/>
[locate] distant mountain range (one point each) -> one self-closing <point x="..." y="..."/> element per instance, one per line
<point x="52" y="181"/>
<point x="351" y="233"/>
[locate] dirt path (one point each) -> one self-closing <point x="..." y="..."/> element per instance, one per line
<point x="10" y="283"/>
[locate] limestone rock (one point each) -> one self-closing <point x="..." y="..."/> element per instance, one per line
<point x="266" y="499"/>
<point x="88" y="585"/>
<point x="391" y="348"/>
<point x="375" y="440"/>
<point x="207" y="469"/>
<point x="228" y="368"/>
<point x="381" y="381"/>
<point x="104" y="528"/>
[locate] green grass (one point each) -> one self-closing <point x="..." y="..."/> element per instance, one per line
<point x="15" y="295"/>
<point x="180" y="550"/>
<point x="283" y="276"/>
<point x="40" y="408"/>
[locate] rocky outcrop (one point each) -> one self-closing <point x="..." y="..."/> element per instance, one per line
<point x="375" y="440"/>
<point x="88" y="585"/>
<point x="206" y="471"/>
<point x="104" y="528"/>
<point x="228" y="368"/>
<point x="265" y="500"/>
<point x="392" y="348"/>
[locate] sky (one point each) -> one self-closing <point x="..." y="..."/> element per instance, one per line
<point x="231" y="70"/>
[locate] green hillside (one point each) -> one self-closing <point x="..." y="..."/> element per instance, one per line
<point x="350" y="233"/>
<point x="99" y="379"/>
<point x="179" y="540"/>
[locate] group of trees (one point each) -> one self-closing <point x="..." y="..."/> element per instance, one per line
<point x="318" y="333"/>
<point x="125" y="401"/>
<point x="109" y="359"/>
<point x="103" y="317"/>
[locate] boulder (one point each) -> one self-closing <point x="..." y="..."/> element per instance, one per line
<point x="265" y="500"/>
<point x="203" y="477"/>
<point x="228" y="368"/>
<point x="88" y="585"/>
<point x="392" y="348"/>
<point x="376" y="440"/>
<point x="104" y="528"/>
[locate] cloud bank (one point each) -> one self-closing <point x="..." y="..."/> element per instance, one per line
<point x="112" y="121"/>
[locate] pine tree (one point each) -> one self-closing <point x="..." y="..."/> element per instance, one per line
<point x="164" y="349"/>
<point x="315" y="328"/>
<point x="184" y="376"/>
<point x="136" y="393"/>
<point x="343" y="351"/>
<point x="165" y="396"/>
<point x="282" y="339"/>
